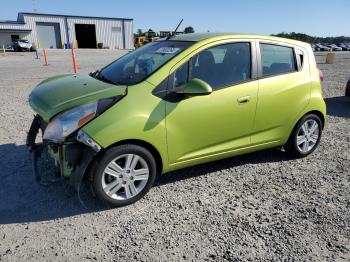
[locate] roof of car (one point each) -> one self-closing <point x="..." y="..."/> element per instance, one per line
<point x="196" y="37"/>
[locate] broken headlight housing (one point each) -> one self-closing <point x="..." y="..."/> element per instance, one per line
<point x="69" y="121"/>
<point x="66" y="123"/>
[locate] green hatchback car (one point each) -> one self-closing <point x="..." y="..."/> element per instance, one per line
<point x="175" y="103"/>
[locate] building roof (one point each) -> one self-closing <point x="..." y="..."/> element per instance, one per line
<point x="3" y="30"/>
<point x="74" y="16"/>
<point x="12" y="22"/>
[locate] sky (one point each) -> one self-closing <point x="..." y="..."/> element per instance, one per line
<point x="313" y="17"/>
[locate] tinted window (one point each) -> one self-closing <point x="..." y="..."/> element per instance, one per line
<point x="141" y="63"/>
<point x="223" y="65"/>
<point x="181" y="75"/>
<point x="276" y="59"/>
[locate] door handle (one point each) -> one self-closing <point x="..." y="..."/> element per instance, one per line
<point x="244" y="99"/>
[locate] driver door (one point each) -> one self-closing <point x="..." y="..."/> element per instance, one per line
<point x="221" y="122"/>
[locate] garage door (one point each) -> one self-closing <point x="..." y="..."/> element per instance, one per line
<point x="49" y="35"/>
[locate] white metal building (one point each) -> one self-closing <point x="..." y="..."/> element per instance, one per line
<point x="59" y="31"/>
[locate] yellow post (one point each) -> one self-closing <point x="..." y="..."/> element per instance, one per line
<point x="76" y="43"/>
<point x="3" y="50"/>
<point x="38" y="43"/>
<point x="96" y="44"/>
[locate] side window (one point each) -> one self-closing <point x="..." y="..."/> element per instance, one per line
<point x="223" y="65"/>
<point x="276" y="59"/>
<point x="181" y="75"/>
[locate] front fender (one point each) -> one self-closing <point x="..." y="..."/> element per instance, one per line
<point x="138" y="116"/>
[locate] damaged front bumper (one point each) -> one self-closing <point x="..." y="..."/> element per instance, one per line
<point x="72" y="157"/>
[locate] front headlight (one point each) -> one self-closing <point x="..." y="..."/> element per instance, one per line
<point x="66" y="123"/>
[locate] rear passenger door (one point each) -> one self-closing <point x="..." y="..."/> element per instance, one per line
<point x="284" y="90"/>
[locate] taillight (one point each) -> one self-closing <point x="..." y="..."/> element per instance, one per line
<point x="321" y="74"/>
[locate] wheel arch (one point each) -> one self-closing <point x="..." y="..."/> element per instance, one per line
<point x="152" y="149"/>
<point x="155" y="153"/>
<point x="315" y="112"/>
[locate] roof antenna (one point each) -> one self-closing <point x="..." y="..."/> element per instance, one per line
<point x="174" y="33"/>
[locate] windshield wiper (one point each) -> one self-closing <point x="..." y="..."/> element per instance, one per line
<point x="104" y="79"/>
<point x="95" y="73"/>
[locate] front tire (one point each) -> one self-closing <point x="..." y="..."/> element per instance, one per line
<point x="123" y="175"/>
<point x="305" y="136"/>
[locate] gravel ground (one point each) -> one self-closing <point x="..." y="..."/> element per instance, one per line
<point x="261" y="206"/>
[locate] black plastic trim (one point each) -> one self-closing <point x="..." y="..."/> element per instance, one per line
<point x="87" y="155"/>
<point x="106" y="103"/>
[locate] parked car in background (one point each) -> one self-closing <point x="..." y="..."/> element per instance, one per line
<point x="335" y="47"/>
<point x="345" y="47"/>
<point x="320" y="47"/>
<point x="22" y="45"/>
<point x="314" y="47"/>
<point x="204" y="97"/>
<point x="347" y="88"/>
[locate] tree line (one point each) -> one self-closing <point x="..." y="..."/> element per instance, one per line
<point x="292" y="35"/>
<point x="314" y="39"/>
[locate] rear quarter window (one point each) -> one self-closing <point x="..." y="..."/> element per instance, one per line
<point x="299" y="58"/>
<point x="276" y="59"/>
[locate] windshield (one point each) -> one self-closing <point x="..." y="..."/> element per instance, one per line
<point x="141" y="63"/>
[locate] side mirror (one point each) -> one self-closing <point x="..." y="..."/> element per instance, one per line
<point x="195" y="87"/>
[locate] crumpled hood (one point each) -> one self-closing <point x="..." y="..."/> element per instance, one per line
<point x="57" y="94"/>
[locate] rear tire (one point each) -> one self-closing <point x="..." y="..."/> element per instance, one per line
<point x="123" y="175"/>
<point x="347" y="88"/>
<point x="305" y="136"/>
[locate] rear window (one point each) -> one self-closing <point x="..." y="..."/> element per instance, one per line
<point x="276" y="59"/>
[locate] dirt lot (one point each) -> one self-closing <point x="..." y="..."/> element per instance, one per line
<point x="262" y="206"/>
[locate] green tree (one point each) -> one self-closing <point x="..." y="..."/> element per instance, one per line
<point x="189" y="30"/>
<point x="139" y="32"/>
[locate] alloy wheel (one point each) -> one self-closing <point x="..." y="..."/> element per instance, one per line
<point x="308" y="135"/>
<point x="125" y="176"/>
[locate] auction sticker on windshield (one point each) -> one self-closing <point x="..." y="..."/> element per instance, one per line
<point x="167" y="50"/>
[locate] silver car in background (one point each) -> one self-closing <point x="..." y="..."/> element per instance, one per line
<point x="22" y="45"/>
